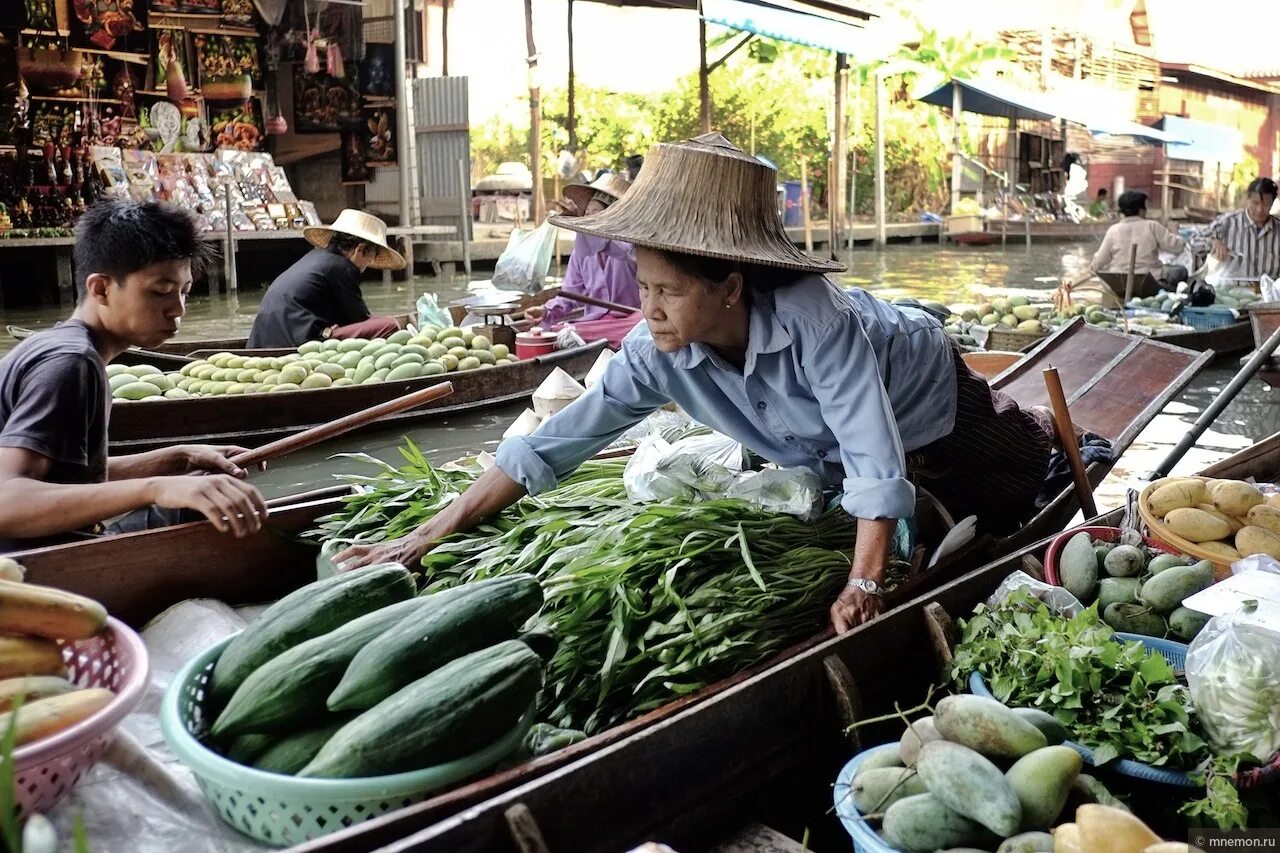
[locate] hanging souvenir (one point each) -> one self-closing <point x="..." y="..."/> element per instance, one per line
<point x="169" y="62"/>
<point x="376" y="77"/>
<point x="118" y="25"/>
<point x="230" y="69"/>
<point x="323" y="104"/>
<point x="355" y="168"/>
<point x="239" y="127"/>
<point x="380" y="136"/>
<point x="200" y="7"/>
<point x="41" y="15"/>
<point x="237" y="13"/>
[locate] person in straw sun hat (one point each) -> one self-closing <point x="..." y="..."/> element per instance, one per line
<point x="320" y="296"/>
<point x="599" y="267"/>
<point x="745" y="332"/>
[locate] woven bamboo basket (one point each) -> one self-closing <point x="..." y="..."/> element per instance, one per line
<point x="1011" y="340"/>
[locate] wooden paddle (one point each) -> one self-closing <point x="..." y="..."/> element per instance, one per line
<point x="333" y="428"/>
<point x="1067" y="435"/>
<point x="599" y="303"/>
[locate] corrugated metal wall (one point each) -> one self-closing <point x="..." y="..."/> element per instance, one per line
<point x="442" y="141"/>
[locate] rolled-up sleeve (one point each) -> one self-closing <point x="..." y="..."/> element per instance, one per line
<point x="842" y="371"/>
<point x="624" y="396"/>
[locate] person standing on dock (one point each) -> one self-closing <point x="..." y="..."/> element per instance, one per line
<point x="1148" y="235"/>
<point x="605" y="269"/>
<point x="1251" y="235"/>
<point x="745" y="332"/>
<point x="56" y="479"/>
<point x="319" y="296"/>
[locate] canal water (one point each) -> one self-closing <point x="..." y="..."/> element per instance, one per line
<point x="946" y="274"/>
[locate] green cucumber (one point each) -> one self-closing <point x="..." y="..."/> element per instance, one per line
<point x="290" y="688"/>
<point x="295" y="752"/>
<point x="455" y="622"/>
<point x="246" y="748"/>
<point x="460" y="708"/>
<point x="315" y="609"/>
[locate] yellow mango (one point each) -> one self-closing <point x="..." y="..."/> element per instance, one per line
<point x="1066" y="838"/>
<point x="1234" y="497"/>
<point x="1186" y="493"/>
<point x="1264" y="516"/>
<point x="1219" y="551"/>
<point x="1235" y="523"/>
<point x="1258" y="540"/>
<point x="1106" y="829"/>
<point x="1196" y="525"/>
<point x="1274" y="500"/>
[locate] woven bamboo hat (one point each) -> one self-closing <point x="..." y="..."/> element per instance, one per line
<point x="366" y="226"/>
<point x="614" y="186"/>
<point x="702" y="197"/>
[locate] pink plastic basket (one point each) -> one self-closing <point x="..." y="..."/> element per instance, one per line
<point x="45" y="771"/>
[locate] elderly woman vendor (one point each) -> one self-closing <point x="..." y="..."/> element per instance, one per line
<point x="746" y="334"/>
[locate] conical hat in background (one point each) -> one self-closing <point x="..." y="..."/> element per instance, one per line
<point x="366" y="226"/>
<point x="614" y="186"/>
<point x="702" y="197"/>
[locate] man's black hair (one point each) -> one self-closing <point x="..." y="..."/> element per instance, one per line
<point x="1102" y="193"/>
<point x="343" y="243"/>
<point x="1132" y="202"/>
<point x="1263" y="187"/>
<point x="116" y="238"/>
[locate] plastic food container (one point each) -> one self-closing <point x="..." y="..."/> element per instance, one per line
<point x="865" y="839"/>
<point x="534" y="343"/>
<point x="285" y="810"/>
<point x="46" y="770"/>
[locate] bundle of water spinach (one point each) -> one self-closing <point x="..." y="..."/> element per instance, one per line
<point x="458" y="679"/>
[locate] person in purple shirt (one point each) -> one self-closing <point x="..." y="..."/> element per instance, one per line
<point x="605" y="269"/>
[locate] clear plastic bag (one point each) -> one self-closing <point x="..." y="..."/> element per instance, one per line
<point x="524" y="263"/>
<point x="1233" y="673"/>
<point x="568" y="338"/>
<point x="1256" y="563"/>
<point x="1222" y="274"/>
<point x="794" y="491"/>
<point x="1055" y="598"/>
<point x="1270" y="289"/>
<point x="643" y="479"/>
<point x="430" y="312"/>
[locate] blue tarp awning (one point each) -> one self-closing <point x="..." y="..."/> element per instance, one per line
<point x="796" y="27"/>
<point x="1204" y="141"/>
<point x="995" y="98"/>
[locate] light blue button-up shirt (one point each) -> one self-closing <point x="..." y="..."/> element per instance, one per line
<point x="836" y="381"/>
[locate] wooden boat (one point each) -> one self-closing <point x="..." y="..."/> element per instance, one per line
<point x="1116" y="385"/>
<point x="253" y="419"/>
<point x="763" y="751"/>
<point x="1264" y="319"/>
<point x="1225" y="341"/>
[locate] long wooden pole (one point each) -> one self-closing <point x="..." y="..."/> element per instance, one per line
<point x="804" y="207"/>
<point x="326" y="431"/>
<point x="1067" y="436"/>
<point x="535" y="113"/>
<point x="704" y="79"/>
<point x="1128" y="284"/>
<point x="571" y="117"/>
<point x="957" y="166"/>
<point x="880" y="226"/>
<point x="599" y="303"/>
<point x="836" y="192"/>
<point x="402" y="120"/>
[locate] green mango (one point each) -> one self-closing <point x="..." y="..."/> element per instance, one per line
<point x="1042" y="781"/>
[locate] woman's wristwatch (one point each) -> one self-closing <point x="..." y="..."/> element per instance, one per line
<point x="867" y="585"/>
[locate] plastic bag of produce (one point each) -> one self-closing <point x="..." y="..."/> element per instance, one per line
<point x="568" y="338"/>
<point x="1055" y="598"/>
<point x="1256" y="563"/>
<point x="1233" y="672"/>
<point x="524" y="263"/>
<point x="643" y="479"/>
<point x="698" y="466"/>
<point x="430" y="312"/>
<point x="794" y="491"/>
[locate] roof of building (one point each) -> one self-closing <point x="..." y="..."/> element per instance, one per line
<point x="1219" y="75"/>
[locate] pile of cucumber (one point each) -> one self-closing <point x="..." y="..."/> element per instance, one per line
<point x="1137" y="590"/>
<point x="358" y="675"/>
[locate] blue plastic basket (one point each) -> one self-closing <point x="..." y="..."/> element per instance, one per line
<point x="865" y="839"/>
<point x="1203" y="319"/>
<point x="1176" y="655"/>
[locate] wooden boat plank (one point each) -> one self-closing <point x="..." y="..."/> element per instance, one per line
<point x="253" y="418"/>
<point x="1224" y="341"/>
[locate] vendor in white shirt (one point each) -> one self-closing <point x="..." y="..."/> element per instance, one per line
<point x="1148" y="235"/>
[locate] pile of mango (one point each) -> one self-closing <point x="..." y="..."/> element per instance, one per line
<point x="978" y="774"/>
<point x="1228" y="519"/>
<point x="1235" y="297"/>
<point x="1138" y="591"/>
<point x="1007" y="312"/>
<point x="407" y="354"/>
<point x="1093" y="314"/>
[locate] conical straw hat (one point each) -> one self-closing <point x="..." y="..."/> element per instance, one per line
<point x="702" y="197"/>
<point x="611" y="185"/>
<point x="366" y="226"/>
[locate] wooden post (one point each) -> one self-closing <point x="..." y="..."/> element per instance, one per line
<point x="704" y="81"/>
<point x="1128" y="283"/>
<point x="1067" y="436"/>
<point x="804" y="207"/>
<point x="957" y="167"/>
<point x="571" y="118"/>
<point x="880" y="228"/>
<point x="535" y="114"/>
<point x="444" y="37"/>
<point x="1164" y="189"/>
<point x="555" y="196"/>
<point x="230" y="257"/>
<point x="464" y="233"/>
<point x="853" y="171"/>
<point x="402" y="114"/>
<point x="836" y="191"/>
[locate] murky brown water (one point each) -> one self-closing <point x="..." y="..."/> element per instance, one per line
<point x="946" y="274"/>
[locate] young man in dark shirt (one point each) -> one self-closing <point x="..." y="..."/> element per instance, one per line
<point x="55" y="476"/>
<point x="319" y="296"/>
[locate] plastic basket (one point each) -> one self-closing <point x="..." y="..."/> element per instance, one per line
<point x="1176" y="655"/>
<point x="1106" y="534"/>
<point x="285" y="810"/>
<point x="865" y="839"/>
<point x="45" y="771"/>
<point x="1203" y="319"/>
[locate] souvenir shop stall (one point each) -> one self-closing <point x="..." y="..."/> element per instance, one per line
<point x="181" y="100"/>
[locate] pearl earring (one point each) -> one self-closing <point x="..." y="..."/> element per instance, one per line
<point x="728" y="305"/>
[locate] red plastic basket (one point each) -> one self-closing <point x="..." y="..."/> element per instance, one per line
<point x="1106" y="534"/>
<point x="45" y="771"/>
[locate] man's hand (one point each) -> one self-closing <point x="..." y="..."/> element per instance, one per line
<point x="231" y="505"/>
<point x="406" y="551"/>
<point x="1220" y="250"/>
<point x="535" y="313"/>
<point x="854" y="607"/>
<point x="209" y="458"/>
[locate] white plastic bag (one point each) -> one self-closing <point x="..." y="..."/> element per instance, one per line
<point x="1222" y="274"/>
<point x="524" y="263"/>
<point x="1055" y="598"/>
<point x="1233" y="673"/>
<point x="1256" y="563"/>
<point x="645" y="482"/>
<point x="1270" y="289"/>
<point x="430" y="312"/>
<point x="794" y="491"/>
<point x="568" y="338"/>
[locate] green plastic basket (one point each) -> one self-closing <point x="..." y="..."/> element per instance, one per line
<point x="285" y="810"/>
